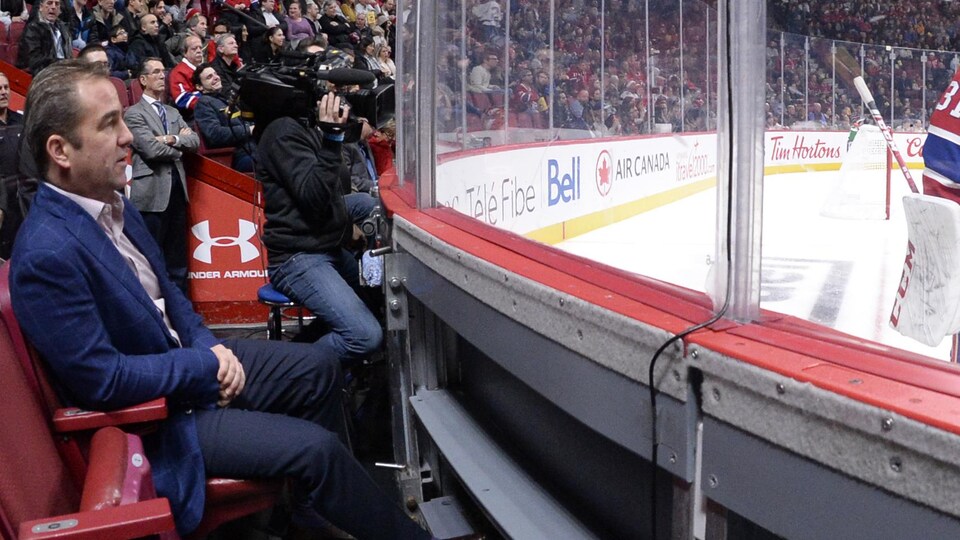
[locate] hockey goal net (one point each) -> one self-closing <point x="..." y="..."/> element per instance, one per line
<point x="862" y="186"/>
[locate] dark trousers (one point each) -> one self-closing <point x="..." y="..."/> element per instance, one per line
<point x="169" y="229"/>
<point x="286" y="423"/>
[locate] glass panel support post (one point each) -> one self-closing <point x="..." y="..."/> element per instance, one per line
<point x="740" y="136"/>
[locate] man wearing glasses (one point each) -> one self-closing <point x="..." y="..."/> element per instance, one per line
<point x="158" y="188"/>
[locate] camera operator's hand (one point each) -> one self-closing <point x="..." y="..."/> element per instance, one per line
<point x="328" y="110"/>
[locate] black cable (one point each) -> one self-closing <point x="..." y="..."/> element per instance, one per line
<point x="726" y="301"/>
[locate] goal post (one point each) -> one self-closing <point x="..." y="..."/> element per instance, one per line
<point x="861" y="188"/>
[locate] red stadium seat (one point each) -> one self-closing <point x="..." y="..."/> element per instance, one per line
<point x="12" y="50"/>
<point x="37" y="489"/>
<point x="15" y="31"/>
<point x="524" y="120"/>
<point x="122" y="91"/>
<point x="474" y="123"/>
<point x="136" y="90"/>
<point x="480" y="100"/>
<point x="23" y="379"/>
<point x="220" y="155"/>
<point x="540" y="120"/>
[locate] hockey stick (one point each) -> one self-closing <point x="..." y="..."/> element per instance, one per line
<point x="872" y="105"/>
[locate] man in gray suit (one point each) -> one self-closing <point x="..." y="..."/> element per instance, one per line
<point x="158" y="188"/>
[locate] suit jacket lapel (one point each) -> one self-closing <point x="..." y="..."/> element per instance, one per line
<point x="94" y="240"/>
<point x="150" y="113"/>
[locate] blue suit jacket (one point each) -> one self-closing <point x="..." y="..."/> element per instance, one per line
<point x="85" y="311"/>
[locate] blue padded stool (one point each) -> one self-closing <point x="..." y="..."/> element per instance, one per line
<point x="277" y="302"/>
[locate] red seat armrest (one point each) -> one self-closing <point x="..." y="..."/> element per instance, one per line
<point x="74" y="419"/>
<point x="128" y="521"/>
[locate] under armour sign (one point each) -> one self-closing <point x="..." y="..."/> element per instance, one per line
<point x="247" y="230"/>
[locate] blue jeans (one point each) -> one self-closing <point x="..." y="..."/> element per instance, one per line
<point x="325" y="284"/>
<point x="359" y="206"/>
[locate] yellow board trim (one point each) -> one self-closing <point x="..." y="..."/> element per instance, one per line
<point x="559" y="232"/>
<point x="556" y="233"/>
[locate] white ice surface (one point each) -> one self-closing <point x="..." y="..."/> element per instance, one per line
<point x="839" y="273"/>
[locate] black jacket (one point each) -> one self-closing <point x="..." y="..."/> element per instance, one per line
<point x="144" y="46"/>
<point x="100" y="25"/>
<point x="37" y="49"/>
<point x="304" y="190"/>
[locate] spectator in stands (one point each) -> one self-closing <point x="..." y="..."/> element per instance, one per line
<point x="13" y="10"/>
<point x="368" y="10"/>
<point x="817" y="115"/>
<point x="347" y="10"/>
<point x="94" y="53"/>
<point x="7" y="117"/>
<point x="217" y="125"/>
<point x="245" y="45"/>
<point x="45" y="39"/>
<point x="77" y="15"/>
<point x="489" y="14"/>
<point x="358" y="159"/>
<point x="338" y="29"/>
<point x="362" y="28"/>
<point x="105" y="19"/>
<point x="195" y="25"/>
<point x="159" y="185"/>
<point x="525" y="96"/>
<point x="386" y="62"/>
<point x="312" y="15"/>
<point x="298" y="27"/>
<point x="237" y="13"/>
<point x="147" y="43"/>
<point x="479" y="80"/>
<point x="180" y="11"/>
<point x="131" y="16"/>
<point x="183" y="93"/>
<point x="274" y="41"/>
<point x="271" y="16"/>
<point x="228" y="61"/>
<point x="123" y="63"/>
<point x="164" y="18"/>
<point x="125" y="334"/>
<point x="366" y="58"/>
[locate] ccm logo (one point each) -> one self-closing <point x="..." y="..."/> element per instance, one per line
<point x="904" y="285"/>
<point x="247" y="230"/>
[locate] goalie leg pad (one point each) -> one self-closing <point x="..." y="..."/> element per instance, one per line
<point x="927" y="303"/>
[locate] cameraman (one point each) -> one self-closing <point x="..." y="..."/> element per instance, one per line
<point x="310" y="231"/>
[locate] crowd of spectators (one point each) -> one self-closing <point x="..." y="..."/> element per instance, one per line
<point x="243" y="31"/>
<point x="637" y="68"/>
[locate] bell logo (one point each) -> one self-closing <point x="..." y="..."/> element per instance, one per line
<point x="248" y="251"/>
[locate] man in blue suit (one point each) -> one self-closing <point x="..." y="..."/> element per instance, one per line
<point x="91" y="293"/>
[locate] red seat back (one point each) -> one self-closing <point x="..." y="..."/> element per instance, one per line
<point x="15" y="31"/>
<point x="136" y="90"/>
<point x="122" y="91"/>
<point x="34" y="480"/>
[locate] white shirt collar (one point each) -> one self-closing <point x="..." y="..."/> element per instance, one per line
<point x="92" y="206"/>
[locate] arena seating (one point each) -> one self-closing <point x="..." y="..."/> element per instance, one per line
<point x="220" y="155"/>
<point x="122" y="92"/>
<point x="53" y="483"/>
<point x="38" y="490"/>
<point x="10" y="42"/>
